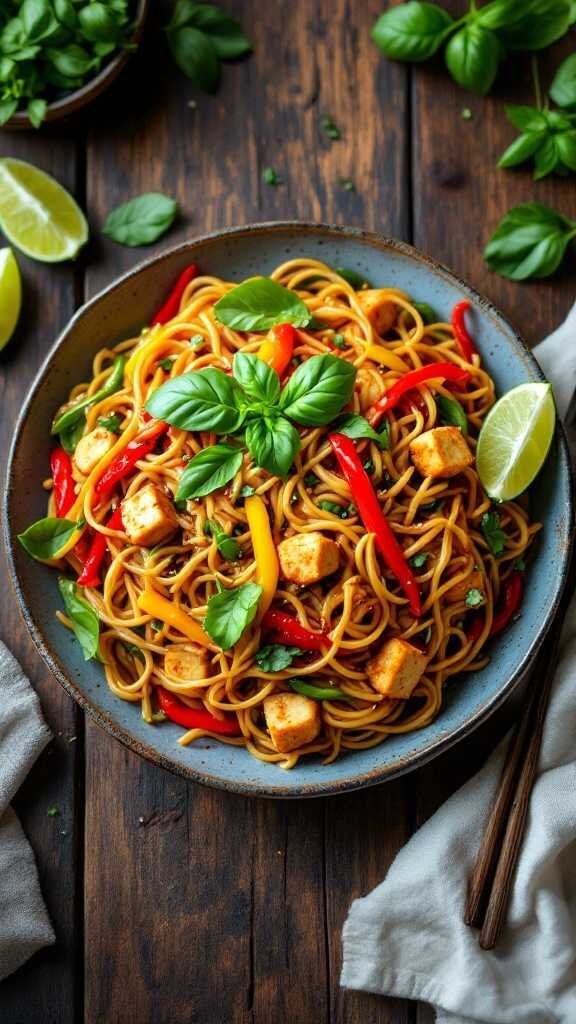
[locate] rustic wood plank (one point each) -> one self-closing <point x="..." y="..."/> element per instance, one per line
<point x="45" y="989"/>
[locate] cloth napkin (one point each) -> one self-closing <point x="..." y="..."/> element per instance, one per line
<point x="24" y="922"/>
<point x="407" y="937"/>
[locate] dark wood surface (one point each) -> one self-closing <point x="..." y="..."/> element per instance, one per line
<point x="173" y="903"/>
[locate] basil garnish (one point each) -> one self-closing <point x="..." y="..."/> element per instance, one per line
<point x="317" y="390"/>
<point x="141" y="220"/>
<point x="256" y="378"/>
<point x="259" y="304"/>
<point x="207" y="399"/>
<point x="208" y="471"/>
<point x="46" y="537"/>
<point x="474" y="598"/>
<point x="530" y="241"/>
<point x="230" y="612"/>
<point x="85" y="622"/>
<point x="451" y="412"/>
<point x="493" y="532"/>
<point x="276" y="657"/>
<point x="357" y="427"/>
<point x="273" y="444"/>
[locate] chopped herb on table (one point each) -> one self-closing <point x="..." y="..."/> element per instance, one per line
<point x="270" y="177"/>
<point x="347" y="184"/>
<point x="530" y="242"/>
<point x="330" y="128"/>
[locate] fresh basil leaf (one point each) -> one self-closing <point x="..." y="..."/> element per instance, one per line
<point x="411" y="31"/>
<point x="98" y="23"/>
<point x="428" y="314"/>
<point x="522" y="149"/>
<point x="73" y="61"/>
<point x="37" y="19"/>
<point x="475" y="598"/>
<point x="225" y="33"/>
<point x="566" y="148"/>
<point x="451" y="412"/>
<point x="208" y="471"/>
<point x="493" y="533"/>
<point x="560" y="120"/>
<point x="196" y="56"/>
<point x="563" y="88"/>
<point x="64" y="11"/>
<point x="472" y="58"/>
<point x="46" y="537"/>
<point x="384" y="435"/>
<point x="36" y="111"/>
<point x="273" y="444"/>
<point x="545" y="158"/>
<point x="230" y="612"/>
<point x="535" y="24"/>
<point x="317" y="390"/>
<point x="526" y="119"/>
<point x="276" y="657"/>
<point x="70" y="437"/>
<point x="356" y="427"/>
<point x="353" y="278"/>
<point x="228" y="547"/>
<point x="84" y="619"/>
<point x="256" y="379"/>
<point x="141" y="220"/>
<point x="7" y="109"/>
<point x="246" y="492"/>
<point x="113" y="423"/>
<point x="530" y="241"/>
<point x="206" y="399"/>
<point x="259" y="304"/>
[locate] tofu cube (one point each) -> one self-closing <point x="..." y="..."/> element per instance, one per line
<point x="475" y="581"/>
<point x="378" y="309"/>
<point x="441" y="452"/>
<point x="292" y="720"/>
<point x="148" y="516"/>
<point x="396" y="669"/>
<point x="187" y="664"/>
<point x="93" y="447"/>
<point x="308" y="557"/>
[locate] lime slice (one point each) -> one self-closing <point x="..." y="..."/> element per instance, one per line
<point x="10" y="295"/>
<point x="515" y="439"/>
<point x="37" y="215"/>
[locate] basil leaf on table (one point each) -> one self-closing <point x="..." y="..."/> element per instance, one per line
<point x="412" y="31"/>
<point x="472" y="58"/>
<point x="546" y="158"/>
<point x="225" y="33"/>
<point x="231" y="612"/>
<point x="522" y="149"/>
<point x="85" y="622"/>
<point x="196" y="56"/>
<point x="46" y="537"/>
<point x="563" y="88"/>
<point x="534" y="24"/>
<point x="530" y="241"/>
<point x="317" y="390"/>
<point x="276" y="657"/>
<point x="228" y="546"/>
<point x="260" y="304"/>
<point x="208" y="471"/>
<point x="451" y="412"/>
<point x="357" y="427"/>
<point x="141" y="220"/>
<point x="526" y="119"/>
<point x="566" y="148"/>
<point x="206" y="399"/>
<point x="273" y="444"/>
<point x="493" y="533"/>
<point x="256" y="378"/>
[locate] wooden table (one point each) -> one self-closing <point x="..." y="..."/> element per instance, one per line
<point x="173" y="903"/>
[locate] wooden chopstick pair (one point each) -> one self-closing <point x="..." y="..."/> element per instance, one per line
<point x="491" y="880"/>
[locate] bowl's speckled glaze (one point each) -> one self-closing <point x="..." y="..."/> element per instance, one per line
<point x="120" y="311"/>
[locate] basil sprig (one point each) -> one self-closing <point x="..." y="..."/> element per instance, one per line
<point x="317" y="390"/>
<point x="563" y="88"/>
<point x="231" y="612"/>
<point x="199" y="37"/>
<point x="46" y="537"/>
<point x="207" y="399"/>
<point x="530" y="241"/>
<point x="276" y="657"/>
<point x="85" y="622"/>
<point x="546" y="136"/>
<point x="477" y="42"/>
<point x="259" y="304"/>
<point x="357" y="427"/>
<point x="493" y="533"/>
<point x="74" y="414"/>
<point x="273" y="443"/>
<point x="141" y="220"/>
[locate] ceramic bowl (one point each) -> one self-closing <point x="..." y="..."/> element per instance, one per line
<point x="72" y="102"/>
<point x="120" y="311"/>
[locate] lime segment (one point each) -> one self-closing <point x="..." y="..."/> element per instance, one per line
<point x="10" y="295"/>
<point x="515" y="439"/>
<point x="37" y="215"/>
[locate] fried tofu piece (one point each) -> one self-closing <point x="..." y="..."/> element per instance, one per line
<point x="148" y="516"/>
<point x="475" y="581"/>
<point x="93" y="447"/>
<point x="187" y="664"/>
<point x="370" y="387"/>
<point x="396" y="670"/>
<point x="378" y="309"/>
<point x="292" y="720"/>
<point x="308" y="557"/>
<point x="441" y="452"/>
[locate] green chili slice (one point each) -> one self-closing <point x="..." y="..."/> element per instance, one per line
<point x="318" y="692"/>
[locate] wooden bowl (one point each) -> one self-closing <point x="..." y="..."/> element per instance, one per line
<point x="75" y="101"/>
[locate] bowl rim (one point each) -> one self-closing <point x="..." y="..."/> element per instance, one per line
<point x="246" y="787"/>
<point x="79" y="98"/>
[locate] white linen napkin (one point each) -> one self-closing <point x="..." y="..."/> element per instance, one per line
<point x="24" y="922"/>
<point x="407" y="938"/>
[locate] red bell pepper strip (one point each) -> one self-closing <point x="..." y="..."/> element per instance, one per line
<point x="90" y="575"/>
<point x="277" y="349"/>
<point x="432" y="371"/>
<point x="475" y="629"/>
<point x="467" y="346"/>
<point x="373" y="518"/>
<point x="512" y="591"/>
<point x="125" y="462"/>
<point x="195" y="718"/>
<point x="64" y="493"/>
<point x="290" y="631"/>
<point x="172" y="305"/>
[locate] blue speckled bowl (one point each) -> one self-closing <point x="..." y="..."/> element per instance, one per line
<point x="123" y="309"/>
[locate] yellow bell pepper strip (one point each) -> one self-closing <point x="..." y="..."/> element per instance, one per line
<point x="267" y="568"/>
<point x="379" y="354"/>
<point x="161" y="608"/>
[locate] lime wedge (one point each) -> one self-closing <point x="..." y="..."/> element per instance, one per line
<point x="515" y="439"/>
<point x="37" y="215"/>
<point x="10" y="295"/>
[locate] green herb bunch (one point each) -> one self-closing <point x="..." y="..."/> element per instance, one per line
<point x="548" y="136"/>
<point x="52" y="47"/>
<point x="476" y="43"/>
<point x="200" y="36"/>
